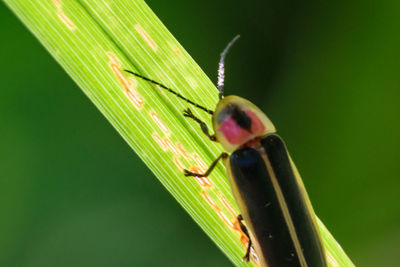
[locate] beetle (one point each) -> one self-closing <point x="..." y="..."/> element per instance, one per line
<point x="276" y="213"/>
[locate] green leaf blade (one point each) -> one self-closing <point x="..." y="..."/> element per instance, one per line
<point x="94" y="41"/>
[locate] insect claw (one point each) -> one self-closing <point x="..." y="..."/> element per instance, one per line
<point x="187" y="113"/>
<point x="246" y="258"/>
<point x="188" y="173"/>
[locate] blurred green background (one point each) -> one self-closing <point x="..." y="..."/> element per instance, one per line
<point x="72" y="193"/>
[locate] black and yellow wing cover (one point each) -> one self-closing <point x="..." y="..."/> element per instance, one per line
<point x="275" y="205"/>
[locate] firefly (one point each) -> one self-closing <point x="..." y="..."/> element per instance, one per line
<point x="275" y="211"/>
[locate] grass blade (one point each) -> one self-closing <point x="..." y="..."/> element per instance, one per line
<point x="94" y="41"/>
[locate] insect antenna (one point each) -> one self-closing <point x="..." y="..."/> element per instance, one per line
<point x="221" y="67"/>
<point x="171" y="91"/>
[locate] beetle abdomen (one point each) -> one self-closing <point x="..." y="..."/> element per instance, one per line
<point x="274" y="207"/>
<point x="307" y="234"/>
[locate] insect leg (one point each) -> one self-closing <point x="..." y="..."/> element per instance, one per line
<point x="222" y="156"/>
<point x="189" y="114"/>
<point x="246" y="257"/>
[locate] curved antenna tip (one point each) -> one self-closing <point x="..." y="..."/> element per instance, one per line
<point x="223" y="54"/>
<point x="221" y="67"/>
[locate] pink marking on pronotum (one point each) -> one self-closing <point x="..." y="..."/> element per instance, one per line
<point x="237" y="135"/>
<point x="256" y="125"/>
<point x="146" y="37"/>
<point x="233" y="132"/>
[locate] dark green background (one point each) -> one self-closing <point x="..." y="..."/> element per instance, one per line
<point x="72" y="193"/>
